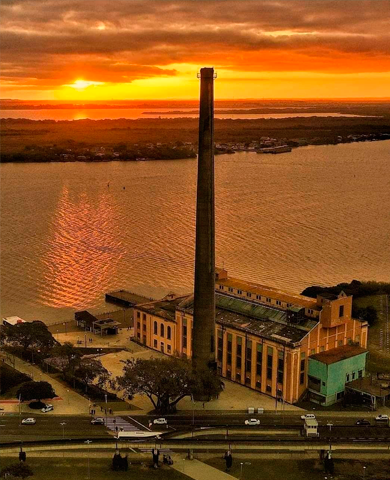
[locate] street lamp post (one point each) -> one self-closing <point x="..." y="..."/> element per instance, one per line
<point x="364" y="472"/>
<point x="193" y="410"/>
<point x="330" y="425"/>
<point x="20" y="409"/>
<point x="105" y="398"/>
<point x="88" y="442"/>
<point x="63" y="429"/>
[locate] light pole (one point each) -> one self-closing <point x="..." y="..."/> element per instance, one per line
<point x="65" y="328"/>
<point x="20" y="409"/>
<point x="242" y="468"/>
<point x="88" y="442"/>
<point x="193" y="410"/>
<point x="330" y="425"/>
<point x="63" y="429"/>
<point x="364" y="472"/>
<point x="105" y="398"/>
<point x="67" y="391"/>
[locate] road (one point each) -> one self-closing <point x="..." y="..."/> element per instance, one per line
<point x="49" y="427"/>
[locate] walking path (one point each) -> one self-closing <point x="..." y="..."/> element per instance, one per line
<point x="197" y="469"/>
<point x="68" y="403"/>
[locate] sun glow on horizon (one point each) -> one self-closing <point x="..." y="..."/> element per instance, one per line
<point x="82" y="84"/>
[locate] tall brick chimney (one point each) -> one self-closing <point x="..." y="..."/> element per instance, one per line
<point x="204" y="297"/>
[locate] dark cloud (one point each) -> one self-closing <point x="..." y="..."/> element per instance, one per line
<point x="123" y="40"/>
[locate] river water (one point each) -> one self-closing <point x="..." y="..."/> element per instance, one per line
<point x="134" y="113"/>
<point x="317" y="215"/>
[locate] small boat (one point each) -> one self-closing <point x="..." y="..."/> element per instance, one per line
<point x="277" y="149"/>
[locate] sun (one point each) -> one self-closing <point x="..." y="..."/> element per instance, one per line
<point x="82" y="84"/>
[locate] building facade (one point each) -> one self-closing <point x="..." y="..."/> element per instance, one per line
<point x="330" y="371"/>
<point x="263" y="336"/>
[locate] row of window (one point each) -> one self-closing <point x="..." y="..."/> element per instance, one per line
<point x="352" y="376"/>
<point x="247" y="363"/>
<point x="254" y="296"/>
<point x="162" y="346"/>
<point x="162" y="330"/>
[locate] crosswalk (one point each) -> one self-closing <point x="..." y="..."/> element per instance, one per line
<point x="121" y="424"/>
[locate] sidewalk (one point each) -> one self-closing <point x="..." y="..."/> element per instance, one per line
<point x="68" y="403"/>
<point x="197" y="469"/>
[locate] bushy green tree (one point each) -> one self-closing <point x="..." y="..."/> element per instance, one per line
<point x="29" y="336"/>
<point x="166" y="381"/>
<point x="90" y="370"/>
<point x="69" y="355"/>
<point x="35" y="391"/>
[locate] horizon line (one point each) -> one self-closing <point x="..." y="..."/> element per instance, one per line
<point x="195" y="99"/>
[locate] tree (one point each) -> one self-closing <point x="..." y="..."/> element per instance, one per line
<point x="17" y="470"/>
<point x="369" y="314"/>
<point x="165" y="381"/>
<point x="90" y="370"/>
<point x="35" y="391"/>
<point x="28" y="335"/>
<point x="69" y="355"/>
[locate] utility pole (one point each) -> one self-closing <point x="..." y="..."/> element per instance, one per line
<point x="88" y="442"/>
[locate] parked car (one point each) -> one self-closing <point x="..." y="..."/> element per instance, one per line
<point x="363" y="422"/>
<point x="160" y="421"/>
<point x="29" y="421"/>
<point x="382" y="418"/>
<point x="307" y="416"/>
<point x="47" y="408"/>
<point x="252" y="421"/>
<point x="98" y="421"/>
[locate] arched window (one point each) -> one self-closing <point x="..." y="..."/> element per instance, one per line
<point x="162" y="330"/>
<point x="155" y="328"/>
<point x="168" y="333"/>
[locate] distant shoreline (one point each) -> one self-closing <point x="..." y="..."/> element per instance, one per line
<point x="190" y="155"/>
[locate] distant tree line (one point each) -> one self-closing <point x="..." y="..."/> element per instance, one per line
<point x="358" y="290"/>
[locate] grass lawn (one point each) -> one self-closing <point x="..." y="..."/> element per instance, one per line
<point x="253" y="469"/>
<point x="77" y="469"/>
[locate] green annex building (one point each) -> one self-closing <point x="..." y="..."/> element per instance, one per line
<point x="329" y="372"/>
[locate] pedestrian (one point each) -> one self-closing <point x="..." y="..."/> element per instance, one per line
<point x="203" y="404"/>
<point x="101" y="408"/>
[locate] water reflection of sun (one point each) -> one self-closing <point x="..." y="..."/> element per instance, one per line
<point x="83" y="251"/>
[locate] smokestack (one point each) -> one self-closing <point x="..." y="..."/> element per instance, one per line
<point x="204" y="298"/>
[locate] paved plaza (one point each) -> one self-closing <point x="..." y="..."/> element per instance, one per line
<point x="234" y="397"/>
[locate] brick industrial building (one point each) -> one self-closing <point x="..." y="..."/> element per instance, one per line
<point x="264" y="336"/>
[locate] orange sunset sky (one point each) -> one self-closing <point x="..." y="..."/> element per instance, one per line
<point x="152" y="49"/>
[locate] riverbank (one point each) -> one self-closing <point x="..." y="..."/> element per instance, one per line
<point x="171" y="138"/>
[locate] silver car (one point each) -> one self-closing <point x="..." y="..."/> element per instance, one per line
<point x="29" y="421"/>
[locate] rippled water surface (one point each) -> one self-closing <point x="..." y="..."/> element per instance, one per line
<point x="133" y="113"/>
<point x="315" y="215"/>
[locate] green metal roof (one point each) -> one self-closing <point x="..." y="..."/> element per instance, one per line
<point x="250" y="309"/>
